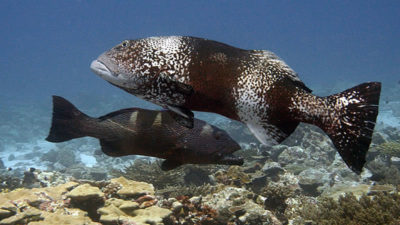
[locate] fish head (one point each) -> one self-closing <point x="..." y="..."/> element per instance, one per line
<point x="212" y="145"/>
<point x="121" y="65"/>
<point x="137" y="65"/>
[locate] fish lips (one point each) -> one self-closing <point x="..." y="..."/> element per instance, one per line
<point x="102" y="70"/>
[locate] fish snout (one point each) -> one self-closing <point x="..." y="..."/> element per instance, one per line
<point x="101" y="69"/>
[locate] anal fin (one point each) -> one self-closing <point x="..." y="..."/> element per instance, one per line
<point x="270" y="134"/>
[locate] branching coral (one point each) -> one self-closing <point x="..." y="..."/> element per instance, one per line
<point x="380" y="209"/>
<point x="391" y="148"/>
<point x="276" y="196"/>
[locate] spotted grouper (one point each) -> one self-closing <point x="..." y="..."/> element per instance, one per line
<point x="255" y="87"/>
<point x="136" y="131"/>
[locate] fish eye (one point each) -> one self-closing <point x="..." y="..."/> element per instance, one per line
<point x="125" y="43"/>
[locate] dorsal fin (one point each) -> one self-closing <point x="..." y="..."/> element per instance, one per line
<point x="121" y="111"/>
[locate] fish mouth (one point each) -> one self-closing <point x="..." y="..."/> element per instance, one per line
<point x="231" y="160"/>
<point x="101" y="69"/>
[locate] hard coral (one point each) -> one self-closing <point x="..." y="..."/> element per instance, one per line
<point x="191" y="211"/>
<point x="391" y="148"/>
<point x="233" y="176"/>
<point x="380" y="209"/>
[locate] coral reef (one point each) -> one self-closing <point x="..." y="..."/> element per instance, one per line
<point x="190" y="211"/>
<point x="379" y="209"/>
<point x="390" y="148"/>
<point x="236" y="205"/>
<point x="300" y="181"/>
<point x="132" y="201"/>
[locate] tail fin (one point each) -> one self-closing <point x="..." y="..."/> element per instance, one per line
<point x="352" y="121"/>
<point x="67" y="121"/>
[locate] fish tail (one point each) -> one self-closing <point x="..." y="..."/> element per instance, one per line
<point x="67" y="121"/>
<point x="348" y="118"/>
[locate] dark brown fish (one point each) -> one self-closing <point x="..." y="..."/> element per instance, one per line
<point x="253" y="86"/>
<point x="136" y="131"/>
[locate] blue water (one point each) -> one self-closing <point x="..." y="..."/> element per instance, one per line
<point x="46" y="47"/>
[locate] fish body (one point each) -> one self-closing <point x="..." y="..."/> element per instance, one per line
<point x="136" y="131"/>
<point x="255" y="87"/>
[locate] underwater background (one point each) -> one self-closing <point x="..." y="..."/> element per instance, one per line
<point x="46" y="48"/>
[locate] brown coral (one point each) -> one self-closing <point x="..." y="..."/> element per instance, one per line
<point x="380" y="209"/>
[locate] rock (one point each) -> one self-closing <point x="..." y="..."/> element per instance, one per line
<point x="98" y="174"/>
<point x="272" y="168"/>
<point x="196" y="176"/>
<point x="30" y="180"/>
<point x="395" y="161"/>
<point x="2" y="164"/>
<point x="378" y="138"/>
<point x="276" y="150"/>
<point x="237" y="204"/>
<point x="57" y="166"/>
<point x="176" y="206"/>
<point x="195" y="200"/>
<point x="132" y="189"/>
<point x="372" y="154"/>
<point x="310" y="179"/>
<point x="258" y="182"/>
<point x="63" y="156"/>
<point x="11" y="157"/>
<point x="292" y="155"/>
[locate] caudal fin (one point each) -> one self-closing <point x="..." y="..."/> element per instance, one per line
<point x="66" y="121"/>
<point x="351" y="122"/>
<point x="348" y="118"/>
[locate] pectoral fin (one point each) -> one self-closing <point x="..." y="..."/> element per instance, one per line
<point x="184" y="88"/>
<point x="182" y="115"/>
<point x="180" y="87"/>
<point x="170" y="164"/>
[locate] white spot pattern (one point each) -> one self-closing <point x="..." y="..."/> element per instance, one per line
<point x="259" y="75"/>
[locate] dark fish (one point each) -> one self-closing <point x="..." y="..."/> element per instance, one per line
<point x="137" y="131"/>
<point x="253" y="86"/>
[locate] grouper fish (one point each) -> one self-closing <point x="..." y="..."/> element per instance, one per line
<point x="255" y="87"/>
<point x="136" y="131"/>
